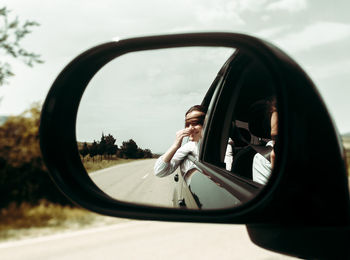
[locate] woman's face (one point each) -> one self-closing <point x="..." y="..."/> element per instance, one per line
<point x="194" y="122"/>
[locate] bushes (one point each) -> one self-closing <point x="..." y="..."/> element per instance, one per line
<point x="23" y="176"/>
<point x="27" y="183"/>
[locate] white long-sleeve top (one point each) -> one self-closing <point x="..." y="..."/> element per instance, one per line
<point x="162" y="169"/>
<point x="229" y="155"/>
<point x="261" y="167"/>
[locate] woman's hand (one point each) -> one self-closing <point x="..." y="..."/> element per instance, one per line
<point x="177" y="144"/>
<point x="181" y="134"/>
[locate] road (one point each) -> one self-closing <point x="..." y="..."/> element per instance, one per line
<point x="142" y="240"/>
<point x="135" y="182"/>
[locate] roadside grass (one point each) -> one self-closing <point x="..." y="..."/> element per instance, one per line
<point x="25" y="216"/>
<point x="26" y="220"/>
<point x="98" y="164"/>
<point x="46" y="218"/>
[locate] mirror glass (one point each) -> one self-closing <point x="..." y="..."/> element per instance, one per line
<point x="132" y="116"/>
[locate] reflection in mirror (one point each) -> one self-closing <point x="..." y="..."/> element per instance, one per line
<point x="250" y="150"/>
<point x="251" y="125"/>
<point x="129" y="116"/>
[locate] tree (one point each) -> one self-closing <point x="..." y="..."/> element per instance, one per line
<point x="11" y="34"/>
<point x="101" y="150"/>
<point x="147" y="153"/>
<point x="140" y="153"/>
<point x="93" y="150"/>
<point x="129" y="149"/>
<point x="85" y="150"/>
<point x="111" y="148"/>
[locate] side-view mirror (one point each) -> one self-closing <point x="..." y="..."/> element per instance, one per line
<point x="254" y="154"/>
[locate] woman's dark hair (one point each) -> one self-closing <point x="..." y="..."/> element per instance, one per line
<point x="272" y="102"/>
<point x="260" y="117"/>
<point x="199" y="108"/>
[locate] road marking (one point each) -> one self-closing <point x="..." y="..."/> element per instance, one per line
<point x="144" y="177"/>
<point x="31" y="241"/>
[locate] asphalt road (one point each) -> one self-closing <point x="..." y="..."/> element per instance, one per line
<point x="135" y="182"/>
<point x="142" y="240"/>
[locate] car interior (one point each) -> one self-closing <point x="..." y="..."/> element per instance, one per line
<point x="249" y="127"/>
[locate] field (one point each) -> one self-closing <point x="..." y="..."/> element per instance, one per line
<point x="97" y="163"/>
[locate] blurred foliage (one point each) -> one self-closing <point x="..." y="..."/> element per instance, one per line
<point x="43" y="214"/>
<point x="12" y="32"/>
<point x="23" y="176"/>
<point x="27" y="219"/>
<point x="20" y="138"/>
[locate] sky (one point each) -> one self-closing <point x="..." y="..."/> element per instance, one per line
<point x="314" y="33"/>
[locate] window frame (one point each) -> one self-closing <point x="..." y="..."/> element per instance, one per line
<point x="219" y="122"/>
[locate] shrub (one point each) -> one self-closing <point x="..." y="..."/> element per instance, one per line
<point x="23" y="176"/>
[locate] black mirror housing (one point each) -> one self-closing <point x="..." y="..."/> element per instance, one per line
<point x="309" y="186"/>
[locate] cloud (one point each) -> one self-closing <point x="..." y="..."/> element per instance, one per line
<point x="224" y="12"/>
<point x="329" y="70"/>
<point x="265" y="18"/>
<point x="288" y="5"/>
<point x="314" y="35"/>
<point x="272" y="32"/>
<point x="234" y="12"/>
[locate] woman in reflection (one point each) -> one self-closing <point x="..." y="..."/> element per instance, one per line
<point x="176" y="154"/>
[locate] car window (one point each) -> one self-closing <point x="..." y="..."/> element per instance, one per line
<point x="240" y="130"/>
